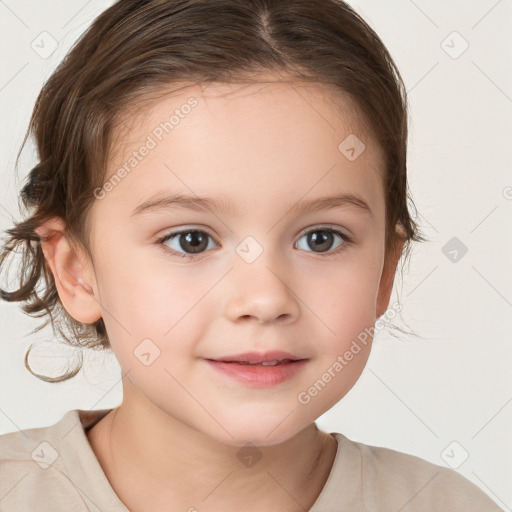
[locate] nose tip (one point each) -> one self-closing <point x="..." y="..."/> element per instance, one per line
<point x="259" y="294"/>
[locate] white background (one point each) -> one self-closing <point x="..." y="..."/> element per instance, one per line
<point x="416" y="395"/>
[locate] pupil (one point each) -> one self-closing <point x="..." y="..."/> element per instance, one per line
<point x="195" y="239"/>
<point x="323" y="241"/>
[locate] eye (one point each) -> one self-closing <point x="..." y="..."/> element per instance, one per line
<point x="192" y="241"/>
<point x="188" y="243"/>
<point x="323" y="239"/>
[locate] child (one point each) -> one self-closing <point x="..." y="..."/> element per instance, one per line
<point x="195" y="158"/>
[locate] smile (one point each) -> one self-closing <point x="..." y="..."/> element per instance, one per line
<point x="258" y="373"/>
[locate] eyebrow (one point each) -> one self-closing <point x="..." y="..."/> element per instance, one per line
<point x="205" y="204"/>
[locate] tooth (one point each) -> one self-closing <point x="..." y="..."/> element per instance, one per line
<point x="263" y="363"/>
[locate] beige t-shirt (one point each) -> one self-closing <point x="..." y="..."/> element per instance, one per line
<point x="54" y="469"/>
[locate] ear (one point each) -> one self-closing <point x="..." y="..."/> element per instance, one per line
<point x="387" y="277"/>
<point x="72" y="272"/>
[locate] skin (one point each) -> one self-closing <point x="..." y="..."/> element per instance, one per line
<point x="264" y="148"/>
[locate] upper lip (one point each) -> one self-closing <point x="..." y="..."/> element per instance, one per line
<point x="259" y="357"/>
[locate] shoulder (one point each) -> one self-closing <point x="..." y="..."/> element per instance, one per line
<point x="412" y="483"/>
<point x="26" y="487"/>
<point x="33" y="475"/>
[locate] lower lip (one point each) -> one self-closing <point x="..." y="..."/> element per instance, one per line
<point x="258" y="375"/>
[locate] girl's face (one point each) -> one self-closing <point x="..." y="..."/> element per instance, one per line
<point x="269" y="265"/>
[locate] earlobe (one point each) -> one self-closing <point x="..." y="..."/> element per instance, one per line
<point x="68" y="268"/>
<point x="388" y="277"/>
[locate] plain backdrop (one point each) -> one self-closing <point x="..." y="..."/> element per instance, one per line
<point x="445" y="397"/>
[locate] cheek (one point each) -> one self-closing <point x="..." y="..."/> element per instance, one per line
<point x="143" y="291"/>
<point x="153" y="312"/>
<point x="344" y="337"/>
<point x="344" y="299"/>
<point x="345" y="302"/>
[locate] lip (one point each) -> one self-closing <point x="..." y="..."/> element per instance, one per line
<point x="258" y="357"/>
<point x="257" y="375"/>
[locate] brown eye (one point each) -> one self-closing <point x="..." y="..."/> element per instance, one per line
<point x="193" y="241"/>
<point x="322" y="240"/>
<point x="187" y="242"/>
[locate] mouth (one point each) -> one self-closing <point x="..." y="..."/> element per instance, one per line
<point x="265" y="363"/>
<point x="259" y="370"/>
<point x="271" y="358"/>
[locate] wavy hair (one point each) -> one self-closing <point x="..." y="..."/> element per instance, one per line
<point x="131" y="54"/>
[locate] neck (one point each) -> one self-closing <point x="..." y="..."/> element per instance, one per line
<point x="141" y="447"/>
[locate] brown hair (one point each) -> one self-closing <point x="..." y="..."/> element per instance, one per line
<point x="135" y="50"/>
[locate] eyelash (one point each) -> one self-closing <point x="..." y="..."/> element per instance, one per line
<point x="346" y="240"/>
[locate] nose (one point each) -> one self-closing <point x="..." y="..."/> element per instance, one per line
<point x="261" y="291"/>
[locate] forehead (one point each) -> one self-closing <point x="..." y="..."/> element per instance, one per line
<point x="270" y="137"/>
<point x="324" y="101"/>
